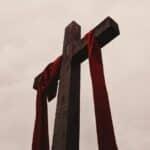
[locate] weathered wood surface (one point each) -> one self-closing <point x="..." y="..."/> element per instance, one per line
<point x="66" y="130"/>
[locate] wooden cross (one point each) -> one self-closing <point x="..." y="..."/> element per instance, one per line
<point x="66" y="129"/>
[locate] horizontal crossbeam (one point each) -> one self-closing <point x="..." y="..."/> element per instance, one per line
<point x="104" y="32"/>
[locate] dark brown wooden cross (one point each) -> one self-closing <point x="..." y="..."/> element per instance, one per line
<point x="66" y="129"/>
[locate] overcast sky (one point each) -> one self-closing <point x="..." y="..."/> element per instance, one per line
<point x="31" y="36"/>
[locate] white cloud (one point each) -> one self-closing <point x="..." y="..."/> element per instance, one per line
<point x="32" y="36"/>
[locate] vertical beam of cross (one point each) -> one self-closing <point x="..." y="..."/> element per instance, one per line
<point x="66" y="129"/>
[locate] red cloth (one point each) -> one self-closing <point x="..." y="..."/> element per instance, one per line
<point x="105" y="131"/>
<point x="48" y="85"/>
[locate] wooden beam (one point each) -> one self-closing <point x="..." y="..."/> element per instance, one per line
<point x="66" y="130"/>
<point x="104" y="32"/>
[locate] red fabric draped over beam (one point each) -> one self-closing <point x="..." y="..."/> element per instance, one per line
<point x="104" y="125"/>
<point x="47" y="86"/>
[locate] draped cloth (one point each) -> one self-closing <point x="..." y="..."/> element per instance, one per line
<point x="46" y="88"/>
<point x="47" y="85"/>
<point x="104" y="125"/>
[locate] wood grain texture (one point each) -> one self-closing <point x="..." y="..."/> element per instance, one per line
<point x="66" y="130"/>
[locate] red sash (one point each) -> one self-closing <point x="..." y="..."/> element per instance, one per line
<point x="105" y="131"/>
<point x="48" y="84"/>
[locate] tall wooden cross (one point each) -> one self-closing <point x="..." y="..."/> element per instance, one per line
<point x="67" y="121"/>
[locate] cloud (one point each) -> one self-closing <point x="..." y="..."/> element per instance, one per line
<point x="32" y="36"/>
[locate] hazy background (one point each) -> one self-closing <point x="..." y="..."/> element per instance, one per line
<point x="31" y="36"/>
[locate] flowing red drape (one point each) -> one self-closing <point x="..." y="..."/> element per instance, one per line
<point x="105" y="131"/>
<point x="49" y="78"/>
<point x="47" y="86"/>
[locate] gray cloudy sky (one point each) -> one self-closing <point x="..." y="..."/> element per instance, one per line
<point x="31" y="35"/>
